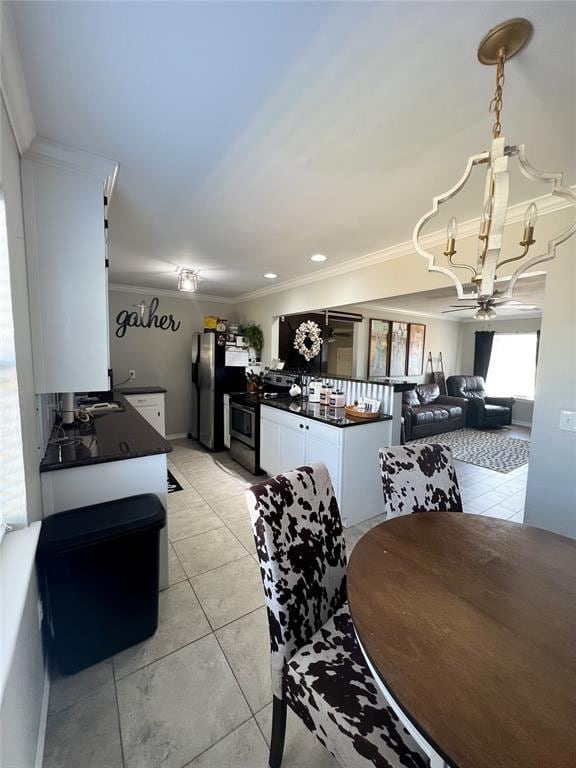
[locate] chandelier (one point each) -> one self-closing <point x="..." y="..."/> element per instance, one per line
<point x="497" y="47"/>
<point x="188" y="280"/>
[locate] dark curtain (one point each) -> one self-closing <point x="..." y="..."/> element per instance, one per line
<point x="482" y="352"/>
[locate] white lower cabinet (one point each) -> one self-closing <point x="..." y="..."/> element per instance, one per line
<point x="151" y="407"/>
<point x="289" y="440"/>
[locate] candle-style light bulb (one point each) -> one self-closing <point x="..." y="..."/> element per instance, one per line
<point x="531" y="215"/>
<point x="452" y="229"/>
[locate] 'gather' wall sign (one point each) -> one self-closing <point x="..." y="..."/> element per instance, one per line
<point x="126" y="319"/>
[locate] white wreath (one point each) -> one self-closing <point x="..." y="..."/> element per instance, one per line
<point x="308" y="340"/>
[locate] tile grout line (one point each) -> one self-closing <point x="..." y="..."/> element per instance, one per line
<point x="118" y="717"/>
<point x="210" y="570"/>
<point x="189" y="763"/>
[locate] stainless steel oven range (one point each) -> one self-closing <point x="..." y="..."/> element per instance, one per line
<point x="245" y="418"/>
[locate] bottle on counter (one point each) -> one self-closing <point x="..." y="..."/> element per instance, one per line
<point x="325" y="393"/>
<point x="337" y="399"/>
<point x="314" y="390"/>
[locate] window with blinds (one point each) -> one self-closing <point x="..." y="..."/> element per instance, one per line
<point x="12" y="484"/>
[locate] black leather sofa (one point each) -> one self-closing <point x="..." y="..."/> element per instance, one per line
<point x="483" y="412"/>
<point x="427" y="412"/>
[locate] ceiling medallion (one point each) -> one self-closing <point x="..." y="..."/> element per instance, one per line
<point x="499" y="45"/>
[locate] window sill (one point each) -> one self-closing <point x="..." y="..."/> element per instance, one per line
<point x="17" y="557"/>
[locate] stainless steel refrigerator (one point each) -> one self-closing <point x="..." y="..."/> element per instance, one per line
<point x="218" y="366"/>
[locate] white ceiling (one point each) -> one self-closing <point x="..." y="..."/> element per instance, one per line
<point x="529" y="292"/>
<point x="252" y="135"/>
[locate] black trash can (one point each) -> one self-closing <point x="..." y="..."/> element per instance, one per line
<point x="99" y="569"/>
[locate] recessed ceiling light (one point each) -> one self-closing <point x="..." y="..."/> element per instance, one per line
<point x="318" y="257"/>
<point x="270" y="275"/>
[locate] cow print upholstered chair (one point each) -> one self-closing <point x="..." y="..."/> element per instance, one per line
<point x="317" y="666"/>
<point x="418" y="478"/>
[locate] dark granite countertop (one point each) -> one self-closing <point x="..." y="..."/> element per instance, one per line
<point x="112" y="436"/>
<point x="335" y="417"/>
<point x="142" y="390"/>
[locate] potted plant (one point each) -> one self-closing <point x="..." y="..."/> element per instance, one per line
<point x="254" y="337"/>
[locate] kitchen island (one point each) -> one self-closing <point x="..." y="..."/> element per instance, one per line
<point x="295" y="432"/>
<point x="118" y="454"/>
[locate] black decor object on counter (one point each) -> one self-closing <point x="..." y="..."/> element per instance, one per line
<point x="112" y="436"/>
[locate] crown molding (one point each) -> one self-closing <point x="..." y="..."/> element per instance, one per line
<point x="75" y="160"/>
<point x="185" y="295"/>
<point x="12" y="83"/>
<point x="546" y="206"/>
<point x="394" y="310"/>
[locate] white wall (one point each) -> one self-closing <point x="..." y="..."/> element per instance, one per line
<point x="22" y="713"/>
<point x="551" y="492"/>
<point x="523" y="409"/>
<point x="161" y="357"/>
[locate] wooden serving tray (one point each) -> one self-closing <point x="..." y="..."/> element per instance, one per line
<point x="354" y="414"/>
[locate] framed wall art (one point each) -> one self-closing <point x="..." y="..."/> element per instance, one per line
<point x="398" y="348"/>
<point x="416" y="342"/>
<point x="378" y="348"/>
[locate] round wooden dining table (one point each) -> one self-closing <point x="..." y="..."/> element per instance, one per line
<point x="469" y="625"/>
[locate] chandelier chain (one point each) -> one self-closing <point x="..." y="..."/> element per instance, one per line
<point x="497" y="99"/>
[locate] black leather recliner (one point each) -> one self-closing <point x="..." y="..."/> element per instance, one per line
<point x="483" y="412"/>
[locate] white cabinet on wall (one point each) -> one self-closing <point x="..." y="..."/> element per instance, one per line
<point x="151" y="406"/>
<point x="288" y="440"/>
<point x="64" y="194"/>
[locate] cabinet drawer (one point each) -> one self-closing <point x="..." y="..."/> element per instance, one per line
<point x="139" y="401"/>
<point x="290" y="420"/>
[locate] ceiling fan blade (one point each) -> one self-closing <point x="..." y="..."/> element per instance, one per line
<point x="445" y="311"/>
<point x="463" y="306"/>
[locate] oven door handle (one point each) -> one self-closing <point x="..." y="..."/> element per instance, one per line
<point x="242" y="408"/>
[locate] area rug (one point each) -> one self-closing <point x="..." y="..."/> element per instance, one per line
<point x="492" y="450"/>
<point x="173" y="484"/>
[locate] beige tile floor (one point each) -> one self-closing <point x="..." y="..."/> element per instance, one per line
<point x="197" y="694"/>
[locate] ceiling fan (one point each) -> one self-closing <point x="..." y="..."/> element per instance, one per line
<point x="484" y="308"/>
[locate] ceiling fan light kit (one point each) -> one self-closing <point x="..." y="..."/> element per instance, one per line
<point x="498" y="46"/>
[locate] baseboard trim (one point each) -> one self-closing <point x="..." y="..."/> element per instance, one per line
<point x="522" y="424"/>
<point x="43" y="719"/>
<point x="178" y="436"/>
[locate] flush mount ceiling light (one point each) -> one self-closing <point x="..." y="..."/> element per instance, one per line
<point x="270" y="275"/>
<point x="188" y="280"/>
<point x="497" y="47"/>
<point x="318" y="257"/>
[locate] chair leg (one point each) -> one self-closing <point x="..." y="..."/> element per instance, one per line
<point x="278" y="732"/>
